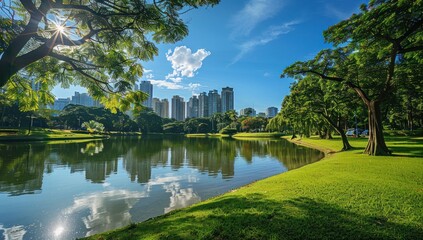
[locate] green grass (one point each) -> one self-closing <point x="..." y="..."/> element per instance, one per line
<point x="347" y="195"/>
<point x="204" y="135"/>
<point x="258" y="135"/>
<point x="47" y="134"/>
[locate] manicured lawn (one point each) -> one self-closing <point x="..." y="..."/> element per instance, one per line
<point x="347" y="195"/>
<point x="204" y="135"/>
<point x="257" y="135"/>
<point x="46" y="134"/>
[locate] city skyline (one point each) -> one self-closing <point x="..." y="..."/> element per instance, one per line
<point x="231" y="45"/>
<point x="161" y="106"/>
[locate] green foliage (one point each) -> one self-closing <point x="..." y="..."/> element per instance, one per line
<point x="253" y="124"/>
<point x="197" y="125"/>
<point x="93" y="126"/>
<point x="73" y="115"/>
<point x="228" y="131"/>
<point x="95" y="44"/>
<point x="372" y="48"/>
<point x="149" y="122"/>
<point x="174" y="127"/>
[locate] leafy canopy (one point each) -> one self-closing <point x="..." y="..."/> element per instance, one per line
<point x="97" y="44"/>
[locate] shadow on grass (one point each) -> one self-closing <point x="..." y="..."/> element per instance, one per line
<point x="406" y="146"/>
<point x="254" y="217"/>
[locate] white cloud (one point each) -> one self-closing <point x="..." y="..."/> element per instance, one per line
<point x="174" y="79"/>
<point x="194" y="86"/>
<point x="149" y="76"/>
<point x="253" y="13"/>
<point x="166" y="84"/>
<point x="332" y="11"/>
<point x="272" y="33"/>
<point x="184" y="62"/>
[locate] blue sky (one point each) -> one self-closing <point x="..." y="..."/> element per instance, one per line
<point x="244" y="44"/>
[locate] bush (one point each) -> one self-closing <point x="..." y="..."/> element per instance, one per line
<point x="79" y="131"/>
<point x="228" y="131"/>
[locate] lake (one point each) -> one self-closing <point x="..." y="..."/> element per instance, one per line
<point x="65" y="190"/>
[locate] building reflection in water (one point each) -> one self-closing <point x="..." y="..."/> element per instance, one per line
<point x="175" y="167"/>
<point x="22" y="166"/>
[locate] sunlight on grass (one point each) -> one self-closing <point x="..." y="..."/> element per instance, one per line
<point x="347" y="195"/>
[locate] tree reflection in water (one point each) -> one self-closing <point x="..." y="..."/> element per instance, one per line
<point x="129" y="179"/>
<point x="22" y="165"/>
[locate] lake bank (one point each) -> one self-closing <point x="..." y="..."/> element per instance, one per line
<point x="346" y="195"/>
<point x="55" y="134"/>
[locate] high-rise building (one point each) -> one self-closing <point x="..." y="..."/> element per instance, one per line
<point x="227" y="97"/>
<point x="85" y="100"/>
<point x="178" y="108"/>
<point x="248" y="112"/>
<point x="271" y="112"/>
<point x="192" y="107"/>
<point x="147" y="87"/>
<point x="214" y="102"/>
<point x="203" y="105"/>
<point x="156" y="105"/>
<point x="61" y="103"/>
<point x="164" y="113"/>
<point x="161" y="107"/>
<point x="82" y="99"/>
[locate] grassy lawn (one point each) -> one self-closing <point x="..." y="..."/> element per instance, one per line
<point x="257" y="135"/>
<point x="347" y="195"/>
<point x="46" y="134"/>
<point x="204" y="135"/>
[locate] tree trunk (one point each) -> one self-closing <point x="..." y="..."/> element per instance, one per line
<point x="376" y="144"/>
<point x="345" y="144"/>
<point x="409" y="113"/>
<point x="328" y="134"/>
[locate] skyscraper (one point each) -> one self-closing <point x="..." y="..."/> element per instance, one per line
<point x="178" y="108"/>
<point x="192" y="107"/>
<point x="161" y="107"/>
<point x="227" y="99"/>
<point x="164" y="113"/>
<point x="156" y="106"/>
<point x="248" y="112"/>
<point x="83" y="99"/>
<point x="271" y="112"/>
<point x="60" y="103"/>
<point x="203" y="105"/>
<point x="147" y="87"/>
<point x="214" y="102"/>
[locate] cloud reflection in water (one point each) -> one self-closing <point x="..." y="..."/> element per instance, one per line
<point x="108" y="210"/>
<point x="13" y="233"/>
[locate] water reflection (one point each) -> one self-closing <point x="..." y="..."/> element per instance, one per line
<point x="13" y="233"/>
<point x="22" y="165"/>
<point x="83" y="188"/>
<point x="108" y="210"/>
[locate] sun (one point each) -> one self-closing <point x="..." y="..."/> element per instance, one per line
<point x="60" y="28"/>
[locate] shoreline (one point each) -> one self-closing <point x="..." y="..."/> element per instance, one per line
<point x="346" y="188"/>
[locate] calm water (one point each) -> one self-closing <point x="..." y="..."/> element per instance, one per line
<point x="68" y="190"/>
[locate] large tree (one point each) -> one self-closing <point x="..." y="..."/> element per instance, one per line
<point x="370" y="46"/>
<point x="329" y="101"/>
<point x="97" y="44"/>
